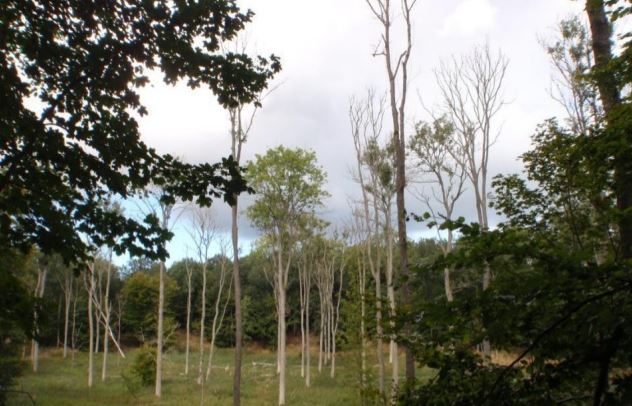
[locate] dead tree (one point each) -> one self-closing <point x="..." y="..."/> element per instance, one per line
<point x="397" y="77"/>
<point x="471" y="88"/>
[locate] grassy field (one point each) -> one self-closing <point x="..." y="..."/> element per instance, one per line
<point x="60" y="383"/>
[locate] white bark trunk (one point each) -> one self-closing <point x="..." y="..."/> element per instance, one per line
<point x="159" y="339"/>
<point x="108" y="308"/>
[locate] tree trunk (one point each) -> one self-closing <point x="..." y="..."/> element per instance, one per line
<point x="380" y="334"/>
<point x="601" y="32"/>
<point x="73" y="333"/>
<point x="186" y="357"/>
<point x="67" y="300"/>
<point x="91" y="329"/>
<point x="106" y="329"/>
<point x="282" y="355"/>
<point x="238" y="320"/>
<point x="39" y="294"/>
<point x="200" y="377"/>
<point x="307" y="343"/>
<point x="159" y="339"/>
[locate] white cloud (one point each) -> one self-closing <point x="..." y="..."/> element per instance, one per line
<point x="469" y="17"/>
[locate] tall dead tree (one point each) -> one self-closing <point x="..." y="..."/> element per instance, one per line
<point x="365" y="121"/>
<point x="397" y="77"/>
<point x="471" y="88"/>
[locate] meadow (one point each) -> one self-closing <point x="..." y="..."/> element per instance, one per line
<point x="60" y="382"/>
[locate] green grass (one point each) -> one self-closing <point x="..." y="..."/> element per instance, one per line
<point x="60" y="383"/>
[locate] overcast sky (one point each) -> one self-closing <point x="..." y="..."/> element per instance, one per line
<point x="326" y="51"/>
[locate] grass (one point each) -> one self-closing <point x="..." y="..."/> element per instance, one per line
<point x="60" y="383"/>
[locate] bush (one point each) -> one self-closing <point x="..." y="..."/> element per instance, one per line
<point x="142" y="371"/>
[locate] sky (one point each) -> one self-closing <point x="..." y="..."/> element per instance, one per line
<point x="326" y="51"/>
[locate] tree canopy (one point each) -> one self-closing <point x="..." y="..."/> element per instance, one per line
<point x="69" y="78"/>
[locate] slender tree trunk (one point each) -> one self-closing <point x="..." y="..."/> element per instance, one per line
<point x="307" y="342"/>
<point x="321" y="333"/>
<point x="380" y="334"/>
<point x="186" y="357"/>
<point x="67" y="300"/>
<point x="73" y="336"/>
<point x="39" y="294"/>
<point x="108" y="307"/>
<point x="238" y="316"/>
<point x="217" y="317"/>
<point x="302" y="314"/>
<point x="282" y="343"/>
<point x="59" y="321"/>
<point x="160" y="333"/>
<point x="91" y="329"/>
<point x="202" y="325"/>
<point x="390" y="292"/>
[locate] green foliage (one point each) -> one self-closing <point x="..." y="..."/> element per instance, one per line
<point x="290" y="188"/>
<point x="140" y="294"/>
<point x="142" y="370"/>
<point x="83" y="64"/>
<point x="559" y="298"/>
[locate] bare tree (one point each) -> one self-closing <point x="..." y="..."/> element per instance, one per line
<point x="432" y="148"/>
<point x="471" y="88"/>
<point x="202" y="233"/>
<point x="397" y="76"/>
<point x="218" y="314"/>
<point x="366" y="121"/>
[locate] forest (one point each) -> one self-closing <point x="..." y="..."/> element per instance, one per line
<point x="254" y="275"/>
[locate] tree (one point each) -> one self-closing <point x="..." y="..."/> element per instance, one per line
<point x="571" y="57"/>
<point x="242" y="117"/>
<point x="83" y="65"/>
<point x="289" y="187"/>
<point x="471" y="89"/>
<point x="565" y="241"/>
<point x="432" y="147"/>
<point x="158" y="206"/>
<point x="203" y="234"/>
<point x="397" y="76"/>
<point x="219" y="310"/>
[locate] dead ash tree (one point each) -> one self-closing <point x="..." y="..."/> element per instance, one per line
<point x="397" y="78"/>
<point x="471" y="89"/>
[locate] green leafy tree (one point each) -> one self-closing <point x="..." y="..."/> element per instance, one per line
<point x="289" y="186"/>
